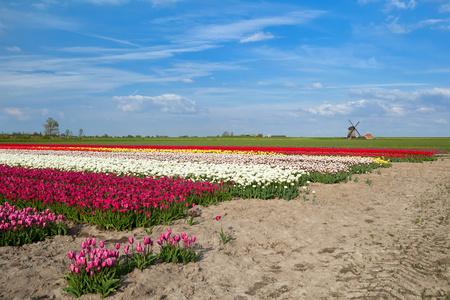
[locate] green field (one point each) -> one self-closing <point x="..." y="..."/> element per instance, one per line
<point x="403" y="143"/>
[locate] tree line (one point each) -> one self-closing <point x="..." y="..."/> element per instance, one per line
<point x="51" y="130"/>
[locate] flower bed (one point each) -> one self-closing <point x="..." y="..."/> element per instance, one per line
<point x="392" y="154"/>
<point x="109" y="201"/>
<point x="18" y="227"/>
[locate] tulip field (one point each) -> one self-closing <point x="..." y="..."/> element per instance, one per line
<point x="127" y="187"/>
<point x="124" y="187"/>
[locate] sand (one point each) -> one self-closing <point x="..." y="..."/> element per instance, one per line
<point x="387" y="239"/>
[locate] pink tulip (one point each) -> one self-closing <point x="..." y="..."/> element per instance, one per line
<point x="117" y="246"/>
<point x="94" y="242"/>
<point x="109" y="261"/>
<point x="70" y="254"/>
<point x="72" y="267"/>
<point x="101" y="244"/>
<point x="83" y="245"/>
<point x="77" y="270"/>
<point x="176" y="237"/>
<point x="218" y="218"/>
<point x="193" y="238"/>
<point x="88" y="241"/>
<point x="130" y="240"/>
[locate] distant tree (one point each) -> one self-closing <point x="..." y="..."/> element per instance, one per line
<point x="51" y="127"/>
<point x="68" y="133"/>
<point x="226" y="133"/>
<point x="80" y="134"/>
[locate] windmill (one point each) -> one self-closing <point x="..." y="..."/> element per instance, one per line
<point x="351" y="131"/>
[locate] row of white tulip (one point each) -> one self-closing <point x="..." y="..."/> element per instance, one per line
<point x="321" y="164"/>
<point x="241" y="174"/>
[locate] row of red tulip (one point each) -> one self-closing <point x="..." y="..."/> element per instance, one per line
<point x="372" y="152"/>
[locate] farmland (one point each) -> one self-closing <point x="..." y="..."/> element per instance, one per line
<point x="142" y="189"/>
<point x="379" y="142"/>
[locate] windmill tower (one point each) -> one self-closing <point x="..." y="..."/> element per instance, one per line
<point x="351" y="134"/>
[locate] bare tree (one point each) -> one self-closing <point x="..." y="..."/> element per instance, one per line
<point x="80" y="134"/>
<point x="51" y="127"/>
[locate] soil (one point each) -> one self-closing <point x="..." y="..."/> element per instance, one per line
<point x="380" y="235"/>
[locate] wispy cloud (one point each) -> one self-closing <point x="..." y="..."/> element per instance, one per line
<point x="259" y="36"/>
<point x="102" y="2"/>
<point x="362" y="2"/>
<point x="167" y="103"/>
<point x="14" y="49"/>
<point x="315" y="86"/>
<point x="23" y="113"/>
<point x="392" y="4"/>
<point x="38" y="19"/>
<point x="444" y="8"/>
<point x="395" y="27"/>
<point x="241" y="29"/>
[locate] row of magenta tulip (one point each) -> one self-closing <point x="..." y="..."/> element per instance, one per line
<point x="97" y="269"/>
<point x="392" y="154"/>
<point x="24" y="226"/>
<point x="107" y="200"/>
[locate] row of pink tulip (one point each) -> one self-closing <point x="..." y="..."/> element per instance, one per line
<point x="100" y="198"/>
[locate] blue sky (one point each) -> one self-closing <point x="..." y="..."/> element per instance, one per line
<point x="187" y="67"/>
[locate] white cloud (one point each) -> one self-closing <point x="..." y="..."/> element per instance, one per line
<point x="262" y="83"/>
<point x="315" y="86"/>
<point x="167" y="103"/>
<point x="327" y="109"/>
<point x="400" y="4"/>
<point x="14" y="49"/>
<point x="259" y="36"/>
<point x="187" y="80"/>
<point x="445" y="8"/>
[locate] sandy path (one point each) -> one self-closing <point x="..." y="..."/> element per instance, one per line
<point x="389" y="239"/>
